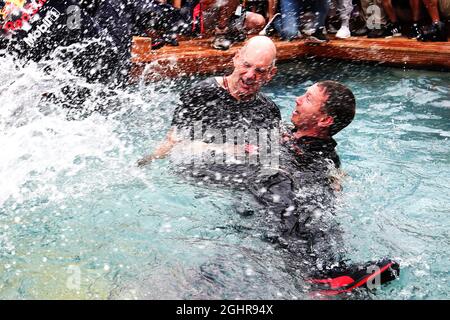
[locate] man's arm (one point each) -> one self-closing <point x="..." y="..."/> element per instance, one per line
<point x="162" y="150"/>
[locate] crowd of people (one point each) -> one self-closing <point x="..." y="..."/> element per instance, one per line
<point x="231" y="20"/>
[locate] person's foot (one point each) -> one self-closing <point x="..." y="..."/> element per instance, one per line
<point x="393" y="30"/>
<point x="360" y="32"/>
<point x="269" y="29"/>
<point x="343" y="33"/>
<point x="377" y="33"/>
<point x="331" y="29"/>
<point x="318" y="36"/>
<point x="221" y="42"/>
<point x="158" y="43"/>
<point x="171" y="39"/>
<point x="415" y="32"/>
<point x="436" y="32"/>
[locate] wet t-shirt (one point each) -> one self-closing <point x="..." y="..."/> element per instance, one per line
<point x="210" y="105"/>
<point x="208" y="113"/>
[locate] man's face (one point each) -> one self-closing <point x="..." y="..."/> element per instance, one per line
<point x="308" y="113"/>
<point x="252" y="71"/>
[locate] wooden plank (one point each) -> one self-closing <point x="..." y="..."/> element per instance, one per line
<point x="396" y="52"/>
<point x="195" y="56"/>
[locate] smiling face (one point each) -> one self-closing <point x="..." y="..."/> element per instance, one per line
<point x="253" y="66"/>
<point x="308" y="113"/>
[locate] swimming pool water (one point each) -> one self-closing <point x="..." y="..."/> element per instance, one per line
<point x="78" y="219"/>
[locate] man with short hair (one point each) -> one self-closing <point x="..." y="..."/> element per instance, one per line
<point x="299" y="197"/>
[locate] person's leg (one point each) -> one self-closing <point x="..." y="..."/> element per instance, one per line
<point x="444" y="6"/>
<point x="437" y="31"/>
<point x="390" y="11"/>
<point x="230" y="27"/>
<point x="379" y="10"/>
<point x="345" y="8"/>
<point x="289" y="24"/>
<point x="375" y="16"/>
<point x="415" y="8"/>
<point x="321" y="8"/>
<point x="433" y="11"/>
<point x="393" y="29"/>
<point x="227" y="8"/>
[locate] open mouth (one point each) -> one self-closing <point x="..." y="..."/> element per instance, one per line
<point x="245" y="85"/>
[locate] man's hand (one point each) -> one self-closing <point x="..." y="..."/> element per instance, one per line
<point x="145" y="161"/>
<point x="164" y="148"/>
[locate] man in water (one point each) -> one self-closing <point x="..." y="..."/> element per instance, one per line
<point x="232" y="102"/>
<point x="299" y="197"/>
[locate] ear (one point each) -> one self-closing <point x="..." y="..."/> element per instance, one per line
<point x="236" y="57"/>
<point x="326" y="122"/>
<point x="272" y="73"/>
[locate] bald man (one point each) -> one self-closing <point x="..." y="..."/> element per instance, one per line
<point x="216" y="105"/>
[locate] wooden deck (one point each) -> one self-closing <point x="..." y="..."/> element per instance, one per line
<point x="194" y="57"/>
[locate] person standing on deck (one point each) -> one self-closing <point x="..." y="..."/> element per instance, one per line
<point x="287" y="22"/>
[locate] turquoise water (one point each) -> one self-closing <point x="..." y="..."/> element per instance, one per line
<point x="78" y="220"/>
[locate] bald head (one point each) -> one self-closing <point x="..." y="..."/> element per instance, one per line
<point x="254" y="66"/>
<point x="261" y="47"/>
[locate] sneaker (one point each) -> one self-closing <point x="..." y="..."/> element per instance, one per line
<point x="393" y="30"/>
<point x="171" y="39"/>
<point x="331" y="29"/>
<point x="436" y="32"/>
<point x="377" y="33"/>
<point x="157" y="43"/>
<point x="221" y="42"/>
<point x="309" y="28"/>
<point x="343" y="33"/>
<point x="269" y="29"/>
<point x="318" y="36"/>
<point x="415" y="31"/>
<point x="360" y="32"/>
<point x="344" y="279"/>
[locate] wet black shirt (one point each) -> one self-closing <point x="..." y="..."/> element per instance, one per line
<point x="299" y="195"/>
<point x="211" y="104"/>
<point x="312" y="152"/>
